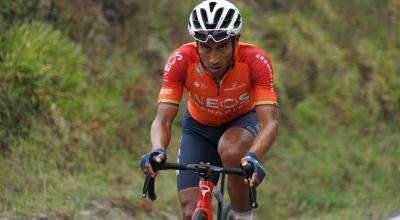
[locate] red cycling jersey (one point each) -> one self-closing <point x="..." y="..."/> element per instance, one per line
<point x="247" y="84"/>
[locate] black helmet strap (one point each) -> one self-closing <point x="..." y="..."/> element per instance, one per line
<point x="233" y="40"/>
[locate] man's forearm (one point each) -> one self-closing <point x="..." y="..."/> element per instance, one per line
<point x="160" y="134"/>
<point x="265" y="138"/>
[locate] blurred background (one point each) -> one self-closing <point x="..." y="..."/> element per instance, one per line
<point x="79" y="82"/>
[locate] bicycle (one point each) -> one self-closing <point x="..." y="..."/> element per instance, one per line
<point x="207" y="188"/>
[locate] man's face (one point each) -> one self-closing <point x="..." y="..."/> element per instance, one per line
<point x="216" y="57"/>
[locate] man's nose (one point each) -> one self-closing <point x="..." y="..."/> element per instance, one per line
<point x="214" y="58"/>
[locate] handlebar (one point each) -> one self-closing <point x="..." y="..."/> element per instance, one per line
<point x="203" y="169"/>
<point x="200" y="168"/>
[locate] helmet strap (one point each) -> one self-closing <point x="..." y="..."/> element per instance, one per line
<point x="198" y="54"/>
<point x="233" y="40"/>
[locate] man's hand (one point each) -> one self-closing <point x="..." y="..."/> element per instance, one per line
<point x="159" y="155"/>
<point x="258" y="173"/>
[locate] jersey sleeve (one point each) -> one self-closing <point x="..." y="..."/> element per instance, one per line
<point x="261" y="76"/>
<point x="174" y="78"/>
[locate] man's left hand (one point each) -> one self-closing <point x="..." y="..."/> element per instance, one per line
<point x="258" y="173"/>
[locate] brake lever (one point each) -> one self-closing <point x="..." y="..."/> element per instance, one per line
<point x="145" y="187"/>
<point x="253" y="197"/>
<point x="149" y="182"/>
<point x="248" y="170"/>
<point x="148" y="188"/>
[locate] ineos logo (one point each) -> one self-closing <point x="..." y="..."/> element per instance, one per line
<point x="172" y="60"/>
<point x="227" y="103"/>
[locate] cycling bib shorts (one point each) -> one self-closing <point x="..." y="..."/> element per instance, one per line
<point x="199" y="143"/>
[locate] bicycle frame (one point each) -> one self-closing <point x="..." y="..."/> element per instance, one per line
<point x="206" y="188"/>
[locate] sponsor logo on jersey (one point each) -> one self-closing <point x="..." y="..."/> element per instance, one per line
<point x="166" y="91"/>
<point x="226" y="104"/>
<point x="199" y="69"/>
<point x="269" y="68"/>
<point x="203" y="86"/>
<point x="197" y="84"/>
<point x="171" y="61"/>
<point x="235" y="86"/>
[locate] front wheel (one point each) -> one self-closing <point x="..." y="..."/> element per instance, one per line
<point x="226" y="213"/>
<point x="199" y="215"/>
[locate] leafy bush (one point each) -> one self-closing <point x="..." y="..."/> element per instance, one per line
<point x="39" y="69"/>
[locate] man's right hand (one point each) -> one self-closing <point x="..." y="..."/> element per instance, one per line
<point x="159" y="155"/>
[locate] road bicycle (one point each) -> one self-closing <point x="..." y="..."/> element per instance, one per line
<point x="207" y="188"/>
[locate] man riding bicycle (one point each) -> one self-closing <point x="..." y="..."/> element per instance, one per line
<point x="231" y="118"/>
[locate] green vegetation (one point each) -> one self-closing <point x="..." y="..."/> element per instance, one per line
<point x="78" y="89"/>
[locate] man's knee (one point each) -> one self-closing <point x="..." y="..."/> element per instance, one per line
<point x="230" y="155"/>
<point x="188" y="210"/>
<point x="187" y="198"/>
<point x="233" y="145"/>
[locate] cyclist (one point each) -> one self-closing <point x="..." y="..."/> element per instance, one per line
<point x="231" y="118"/>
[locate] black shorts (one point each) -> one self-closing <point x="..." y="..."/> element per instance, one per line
<point x="199" y="143"/>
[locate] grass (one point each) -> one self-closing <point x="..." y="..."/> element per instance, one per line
<point x="345" y="174"/>
<point x="37" y="177"/>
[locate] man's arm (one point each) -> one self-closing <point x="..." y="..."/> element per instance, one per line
<point x="261" y="75"/>
<point x="160" y="132"/>
<point x="161" y="127"/>
<point x="267" y="116"/>
<point x="169" y="98"/>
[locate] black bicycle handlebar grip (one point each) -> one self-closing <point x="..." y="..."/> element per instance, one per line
<point x="248" y="170"/>
<point x="154" y="164"/>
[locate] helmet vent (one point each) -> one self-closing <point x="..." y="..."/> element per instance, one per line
<point x="228" y="18"/>
<point x="238" y="22"/>
<point x="212" y="5"/>
<point x="195" y="19"/>
<point x="204" y="15"/>
<point x="217" y="16"/>
<point x="206" y="22"/>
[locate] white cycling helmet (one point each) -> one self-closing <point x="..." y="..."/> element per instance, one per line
<point x="216" y="19"/>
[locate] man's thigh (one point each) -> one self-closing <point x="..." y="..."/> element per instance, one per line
<point x="248" y="122"/>
<point x="238" y="138"/>
<point x="194" y="150"/>
<point x="198" y="144"/>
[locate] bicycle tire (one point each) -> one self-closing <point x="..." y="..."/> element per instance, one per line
<point x="199" y="215"/>
<point x="226" y="212"/>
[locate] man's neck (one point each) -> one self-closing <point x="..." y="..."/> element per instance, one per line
<point x="218" y="79"/>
